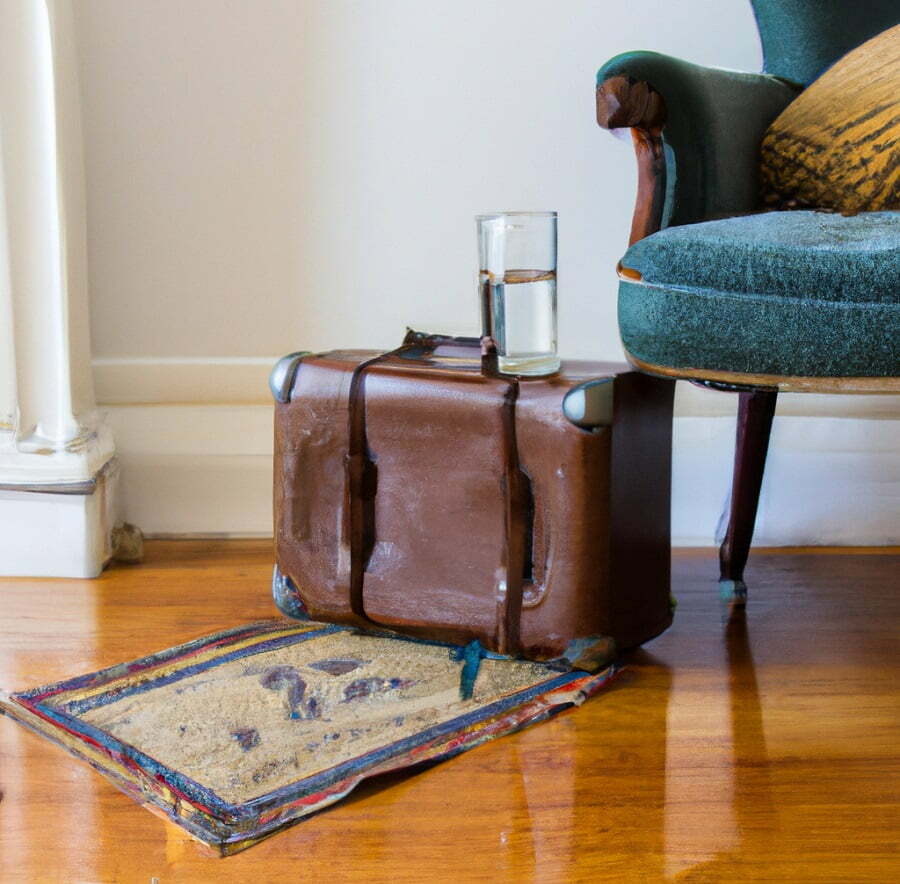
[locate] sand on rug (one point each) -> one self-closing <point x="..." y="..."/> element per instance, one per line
<point x="236" y="735"/>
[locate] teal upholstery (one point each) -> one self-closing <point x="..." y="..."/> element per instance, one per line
<point x="728" y="295"/>
<point x="801" y="38"/>
<point x="714" y="125"/>
<point x="788" y="294"/>
<point x="808" y="294"/>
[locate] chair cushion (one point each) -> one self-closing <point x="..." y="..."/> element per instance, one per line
<point x="807" y="294"/>
<point x="837" y="145"/>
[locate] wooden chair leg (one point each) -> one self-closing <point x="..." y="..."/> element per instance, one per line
<point x="755" y="412"/>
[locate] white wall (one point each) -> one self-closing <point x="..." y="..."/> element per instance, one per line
<point x="272" y="175"/>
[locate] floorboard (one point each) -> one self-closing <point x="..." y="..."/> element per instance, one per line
<point x="764" y="749"/>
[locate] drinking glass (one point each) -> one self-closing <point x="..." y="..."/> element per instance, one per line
<point x="517" y="283"/>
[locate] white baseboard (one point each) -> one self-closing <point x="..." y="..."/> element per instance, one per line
<point x="207" y="470"/>
<point x="243" y="380"/>
<point x="227" y="380"/>
<point x="196" y="469"/>
<point x="828" y="481"/>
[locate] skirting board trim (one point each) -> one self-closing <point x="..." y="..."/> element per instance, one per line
<point x="244" y="381"/>
<point x="207" y="471"/>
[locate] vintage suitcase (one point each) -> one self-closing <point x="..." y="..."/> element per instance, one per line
<point x="421" y="492"/>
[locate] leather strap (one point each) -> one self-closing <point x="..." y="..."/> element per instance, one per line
<point x="509" y="597"/>
<point x="362" y="486"/>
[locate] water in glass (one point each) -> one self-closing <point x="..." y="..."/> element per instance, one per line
<point x="522" y="308"/>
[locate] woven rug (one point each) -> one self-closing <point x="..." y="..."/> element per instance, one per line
<point x="238" y="734"/>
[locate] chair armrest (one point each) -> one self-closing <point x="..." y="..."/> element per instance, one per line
<point x="696" y="132"/>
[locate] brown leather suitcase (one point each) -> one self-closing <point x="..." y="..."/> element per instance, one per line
<point x="421" y="492"/>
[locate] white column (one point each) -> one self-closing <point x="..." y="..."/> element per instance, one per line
<point x="57" y="465"/>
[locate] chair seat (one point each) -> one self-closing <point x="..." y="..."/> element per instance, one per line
<point x="800" y="293"/>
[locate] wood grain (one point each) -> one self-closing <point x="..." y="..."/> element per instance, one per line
<point x="623" y="102"/>
<point x="837" y="145"/>
<point x="761" y="751"/>
<point x="756" y="409"/>
<point x="782" y="383"/>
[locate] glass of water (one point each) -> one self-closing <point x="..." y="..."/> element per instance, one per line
<point x="517" y="283"/>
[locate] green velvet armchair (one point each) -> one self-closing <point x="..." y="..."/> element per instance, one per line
<point x="716" y="291"/>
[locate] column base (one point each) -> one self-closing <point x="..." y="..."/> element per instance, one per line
<point x="62" y="530"/>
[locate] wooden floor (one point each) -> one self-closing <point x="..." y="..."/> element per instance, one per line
<point x="761" y="750"/>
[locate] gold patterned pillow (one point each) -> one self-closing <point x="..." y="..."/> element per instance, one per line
<point x="837" y="145"/>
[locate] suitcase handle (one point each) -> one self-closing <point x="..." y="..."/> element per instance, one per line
<point x="479" y="352"/>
